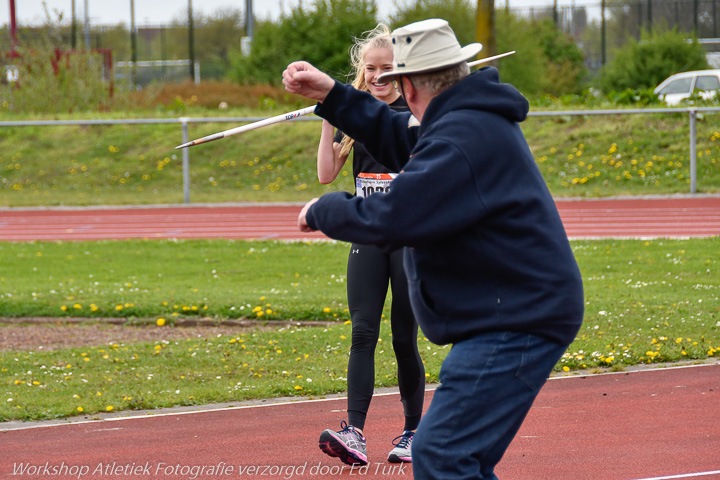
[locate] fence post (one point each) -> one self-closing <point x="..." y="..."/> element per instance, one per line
<point x="185" y="160"/>
<point x="693" y="151"/>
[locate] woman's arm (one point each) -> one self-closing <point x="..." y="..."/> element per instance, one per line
<point x="329" y="160"/>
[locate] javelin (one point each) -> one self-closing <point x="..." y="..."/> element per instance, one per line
<point x="290" y="115"/>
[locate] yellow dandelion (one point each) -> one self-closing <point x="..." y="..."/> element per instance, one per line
<point x="160" y="322"/>
<point x="80" y="409"/>
<point x="109" y="408"/>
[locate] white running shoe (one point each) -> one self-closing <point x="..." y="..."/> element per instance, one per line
<point x="401" y="453"/>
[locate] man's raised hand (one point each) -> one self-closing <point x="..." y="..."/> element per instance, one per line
<point x="304" y="79"/>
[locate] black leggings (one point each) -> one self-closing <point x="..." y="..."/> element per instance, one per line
<point x="368" y="272"/>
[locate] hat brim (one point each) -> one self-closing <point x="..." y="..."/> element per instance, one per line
<point x="466" y="53"/>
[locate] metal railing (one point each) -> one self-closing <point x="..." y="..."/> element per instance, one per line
<point x="692" y="118"/>
<point x="184" y="122"/>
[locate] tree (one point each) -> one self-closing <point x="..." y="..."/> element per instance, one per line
<point x="460" y="14"/>
<point x="486" y="26"/>
<point x="527" y="69"/>
<point x="547" y="60"/>
<point x="215" y="36"/>
<point x="321" y="34"/>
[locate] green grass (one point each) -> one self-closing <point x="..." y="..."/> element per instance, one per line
<point x="139" y="278"/>
<point x="609" y="155"/>
<point x="288" y="362"/>
<point x="113" y="165"/>
<point x="646" y="302"/>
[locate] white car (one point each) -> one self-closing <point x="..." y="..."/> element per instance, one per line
<point x="676" y="87"/>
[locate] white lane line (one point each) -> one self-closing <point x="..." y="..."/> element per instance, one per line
<point x="316" y="400"/>
<point x="190" y="412"/>
<point x="684" y="475"/>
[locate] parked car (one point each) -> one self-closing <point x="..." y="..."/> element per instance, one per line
<point x="676" y="87"/>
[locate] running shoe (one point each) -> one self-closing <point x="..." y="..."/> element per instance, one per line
<point x="347" y="444"/>
<point x="401" y="452"/>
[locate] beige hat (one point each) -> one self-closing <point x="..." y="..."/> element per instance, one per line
<point x="426" y="46"/>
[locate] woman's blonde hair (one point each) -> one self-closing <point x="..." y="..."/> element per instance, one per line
<point x="378" y="37"/>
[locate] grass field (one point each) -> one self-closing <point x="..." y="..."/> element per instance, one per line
<point x="646" y="302"/>
<point x="113" y="165"/>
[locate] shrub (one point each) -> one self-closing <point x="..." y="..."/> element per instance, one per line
<point x="644" y="64"/>
<point x="57" y="82"/>
<point x="547" y="61"/>
<point x="566" y="61"/>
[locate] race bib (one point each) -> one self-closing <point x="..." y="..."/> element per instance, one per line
<point x="368" y="183"/>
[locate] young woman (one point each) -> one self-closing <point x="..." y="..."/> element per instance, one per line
<point x="368" y="272"/>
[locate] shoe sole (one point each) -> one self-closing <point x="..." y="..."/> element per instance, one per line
<point x="334" y="447"/>
<point x="392" y="458"/>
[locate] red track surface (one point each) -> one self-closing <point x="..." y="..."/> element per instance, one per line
<point x="661" y="423"/>
<point x="644" y="218"/>
<point x="658" y="424"/>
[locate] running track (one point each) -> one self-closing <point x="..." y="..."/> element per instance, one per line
<point x="651" y="425"/>
<point x="676" y="217"/>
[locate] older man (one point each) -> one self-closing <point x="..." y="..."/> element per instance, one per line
<point x="490" y="268"/>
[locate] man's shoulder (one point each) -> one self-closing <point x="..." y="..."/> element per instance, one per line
<point x="460" y="121"/>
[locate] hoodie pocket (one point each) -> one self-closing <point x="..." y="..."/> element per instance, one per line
<point x="433" y="325"/>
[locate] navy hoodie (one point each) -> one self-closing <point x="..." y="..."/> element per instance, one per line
<point x="488" y="251"/>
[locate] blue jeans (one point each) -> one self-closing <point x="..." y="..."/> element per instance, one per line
<point x="488" y="384"/>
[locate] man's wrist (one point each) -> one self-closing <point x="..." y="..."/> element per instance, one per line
<point x="309" y="218"/>
<point x="336" y="86"/>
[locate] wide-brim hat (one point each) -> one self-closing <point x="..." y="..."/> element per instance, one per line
<point x="427" y="46"/>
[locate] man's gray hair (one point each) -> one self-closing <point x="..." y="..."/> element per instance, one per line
<point x="440" y="80"/>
